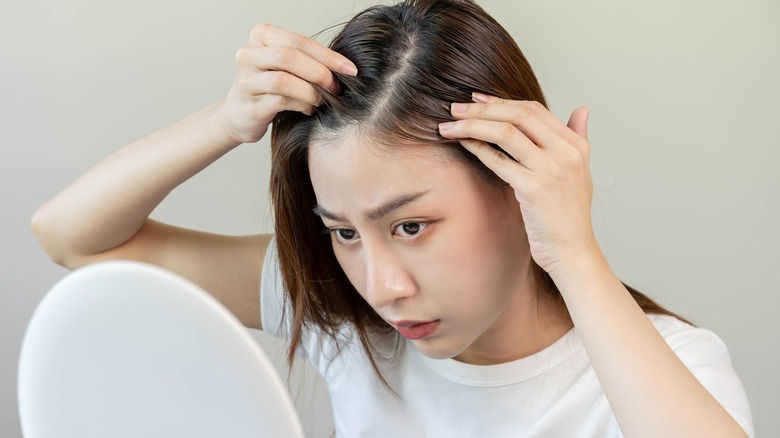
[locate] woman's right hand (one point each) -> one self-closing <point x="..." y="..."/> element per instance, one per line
<point x="277" y="71"/>
<point x="104" y="214"/>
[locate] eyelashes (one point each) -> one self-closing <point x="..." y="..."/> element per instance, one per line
<point x="405" y="230"/>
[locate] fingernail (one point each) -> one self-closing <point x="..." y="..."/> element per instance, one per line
<point x="459" y="107"/>
<point x="445" y="127"/>
<point x="349" y="68"/>
<point x="479" y="97"/>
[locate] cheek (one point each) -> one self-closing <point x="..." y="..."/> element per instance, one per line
<point x="352" y="266"/>
<point x="473" y="268"/>
<point x="481" y="261"/>
<point x="455" y="261"/>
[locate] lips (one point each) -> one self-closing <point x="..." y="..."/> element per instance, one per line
<point x="415" y="329"/>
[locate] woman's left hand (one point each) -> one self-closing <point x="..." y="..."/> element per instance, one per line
<point x="547" y="165"/>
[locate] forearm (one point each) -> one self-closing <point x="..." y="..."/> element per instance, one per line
<point x="649" y="389"/>
<point x="107" y="205"/>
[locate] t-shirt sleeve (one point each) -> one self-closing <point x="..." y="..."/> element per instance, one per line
<point x="272" y="301"/>
<point x="707" y="357"/>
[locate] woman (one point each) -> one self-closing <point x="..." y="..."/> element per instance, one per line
<point x="433" y="236"/>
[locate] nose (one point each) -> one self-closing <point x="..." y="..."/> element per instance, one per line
<point x="387" y="280"/>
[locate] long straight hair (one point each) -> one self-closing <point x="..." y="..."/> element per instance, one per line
<point x="413" y="58"/>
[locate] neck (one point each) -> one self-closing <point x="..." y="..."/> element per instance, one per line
<point x="533" y="321"/>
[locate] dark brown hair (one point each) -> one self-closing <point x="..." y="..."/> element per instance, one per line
<point x="414" y="59"/>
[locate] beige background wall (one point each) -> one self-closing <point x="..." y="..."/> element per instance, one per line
<point x="684" y="114"/>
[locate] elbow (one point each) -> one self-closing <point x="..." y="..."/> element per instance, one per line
<point x="43" y="229"/>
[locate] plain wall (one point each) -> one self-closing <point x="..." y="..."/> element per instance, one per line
<point x="684" y="109"/>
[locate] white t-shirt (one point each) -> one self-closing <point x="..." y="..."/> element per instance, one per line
<point x="553" y="393"/>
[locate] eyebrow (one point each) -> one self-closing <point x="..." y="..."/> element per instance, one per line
<point x="377" y="213"/>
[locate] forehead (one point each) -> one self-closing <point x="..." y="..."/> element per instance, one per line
<point x="354" y="171"/>
<point x="351" y="146"/>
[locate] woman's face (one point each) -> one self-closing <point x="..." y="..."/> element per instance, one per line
<point x="438" y="252"/>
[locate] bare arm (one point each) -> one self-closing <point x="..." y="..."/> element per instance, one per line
<point x="104" y="208"/>
<point x="104" y="214"/>
<point x="649" y="389"/>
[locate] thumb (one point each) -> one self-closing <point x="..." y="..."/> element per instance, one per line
<point x="578" y="122"/>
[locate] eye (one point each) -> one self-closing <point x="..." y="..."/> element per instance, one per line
<point x="409" y="230"/>
<point x="345" y="236"/>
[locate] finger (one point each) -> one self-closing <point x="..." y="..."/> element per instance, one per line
<point x="272" y="104"/>
<point x="503" y="134"/>
<point x="543" y="112"/>
<point x="501" y="164"/>
<point x="484" y="98"/>
<point x="283" y="84"/>
<point x="285" y="58"/>
<point x="578" y="122"/>
<point x="525" y="116"/>
<point x="270" y="35"/>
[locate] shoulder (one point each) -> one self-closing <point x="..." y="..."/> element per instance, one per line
<point x="700" y="349"/>
<point x="678" y="333"/>
<point x="693" y="345"/>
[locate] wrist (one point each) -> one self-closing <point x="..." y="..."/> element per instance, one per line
<point x="579" y="268"/>
<point x="217" y="128"/>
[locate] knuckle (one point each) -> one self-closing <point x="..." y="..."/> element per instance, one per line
<point x="296" y="42"/>
<point x="314" y="97"/>
<point x="242" y="55"/>
<point x="257" y="32"/>
<point x="498" y="157"/>
<point x="323" y="76"/>
<point x="536" y="106"/>
<point x="270" y="103"/>
<point x="521" y="111"/>
<point x="507" y="130"/>
<point x="463" y="126"/>
<point x="582" y="144"/>
<point x="284" y="55"/>
<point x="277" y="81"/>
<point x="301" y="43"/>
<point x="280" y="102"/>
<point x="331" y="58"/>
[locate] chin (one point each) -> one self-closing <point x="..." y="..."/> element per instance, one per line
<point x="437" y="349"/>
